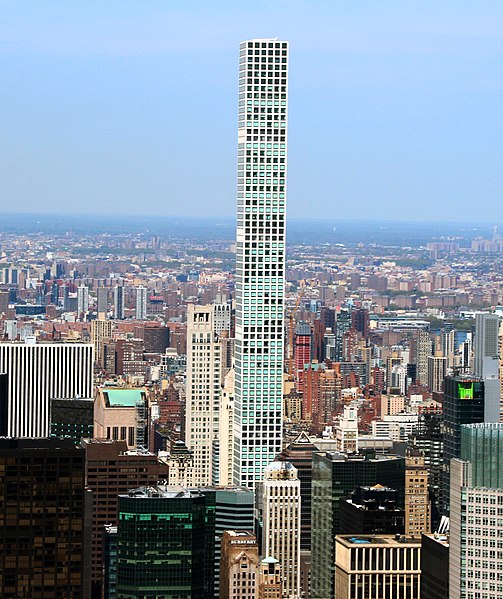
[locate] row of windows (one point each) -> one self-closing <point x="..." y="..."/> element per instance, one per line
<point x="261" y="45"/>
<point x="266" y="95"/>
<point x="264" y="83"/>
<point x="265" y="108"/>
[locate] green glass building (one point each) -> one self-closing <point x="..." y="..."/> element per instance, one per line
<point x="163" y="546"/>
<point x="482" y="446"/>
<point x="335" y="476"/>
<point x="476" y="514"/>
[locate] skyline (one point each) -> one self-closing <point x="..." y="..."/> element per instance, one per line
<point x="394" y="111"/>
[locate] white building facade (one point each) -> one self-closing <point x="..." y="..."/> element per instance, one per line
<point x="281" y="523"/>
<point x="203" y="391"/>
<point x="260" y="256"/>
<point x="141" y="303"/>
<point x="37" y="373"/>
<point x="82" y="299"/>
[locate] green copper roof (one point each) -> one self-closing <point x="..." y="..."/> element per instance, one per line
<point x="124" y="397"/>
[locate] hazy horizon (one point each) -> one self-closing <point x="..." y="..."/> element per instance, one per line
<point x="309" y="231"/>
<point x="232" y="217"/>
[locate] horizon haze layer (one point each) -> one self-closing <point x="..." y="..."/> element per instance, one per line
<point x="299" y="230"/>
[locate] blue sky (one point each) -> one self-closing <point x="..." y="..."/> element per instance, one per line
<point x="131" y="106"/>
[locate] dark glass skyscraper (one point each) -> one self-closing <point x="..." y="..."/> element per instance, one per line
<point x="335" y="477"/>
<point x="72" y="418"/>
<point x="44" y="517"/>
<point x="463" y="404"/>
<point x="429" y="439"/>
<point x="162" y="544"/>
<point x="227" y="508"/>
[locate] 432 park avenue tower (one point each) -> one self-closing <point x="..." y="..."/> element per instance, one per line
<point x="260" y="256"/>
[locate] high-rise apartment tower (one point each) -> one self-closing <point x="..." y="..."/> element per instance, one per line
<point x="141" y="303"/>
<point x="260" y="256"/>
<point x="82" y="299"/>
<point x="119" y="302"/>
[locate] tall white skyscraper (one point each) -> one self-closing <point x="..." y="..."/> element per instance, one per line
<point x="281" y="522"/>
<point x="424" y="350"/>
<point x="448" y="340"/>
<point x="37" y="373"/>
<point x="260" y="256"/>
<point x="141" y="303"/>
<point x="203" y="390"/>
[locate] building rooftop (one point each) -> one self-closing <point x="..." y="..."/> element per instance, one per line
<point x="162" y="492"/>
<point x="441" y="539"/>
<point x="281" y="471"/>
<point x="270" y="560"/>
<point x="336" y="456"/>
<point x="124" y="398"/>
<point x="240" y="533"/>
<point x="37" y="443"/>
<point x="350" y="540"/>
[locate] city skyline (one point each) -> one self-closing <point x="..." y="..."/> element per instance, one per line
<point x="398" y="108"/>
<point x="185" y="414"/>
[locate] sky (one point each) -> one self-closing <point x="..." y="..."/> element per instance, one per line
<point x="130" y="106"/>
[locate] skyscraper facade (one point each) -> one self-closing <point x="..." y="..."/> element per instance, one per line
<point x="486" y="362"/>
<point x="423" y="352"/>
<point x="417" y="499"/>
<point x="110" y="471"/>
<point x="300" y="454"/>
<point x="36" y="373"/>
<point x="171" y="559"/>
<point x="302" y="352"/>
<point x="203" y="390"/>
<point x="119" y="302"/>
<point x="476" y="557"/>
<point x="141" y="303"/>
<point x="485" y="348"/>
<point x="72" y="418"/>
<point x="102" y="301"/>
<point x="44" y="518"/>
<point x="437" y="369"/>
<point x="101" y="332"/>
<point x="231" y="508"/>
<point x="281" y="522"/>
<point x="260" y="256"/>
<point x="335" y="477"/>
<point x="463" y="404"/>
<point x="82" y="299"/>
<point x="377" y="566"/>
